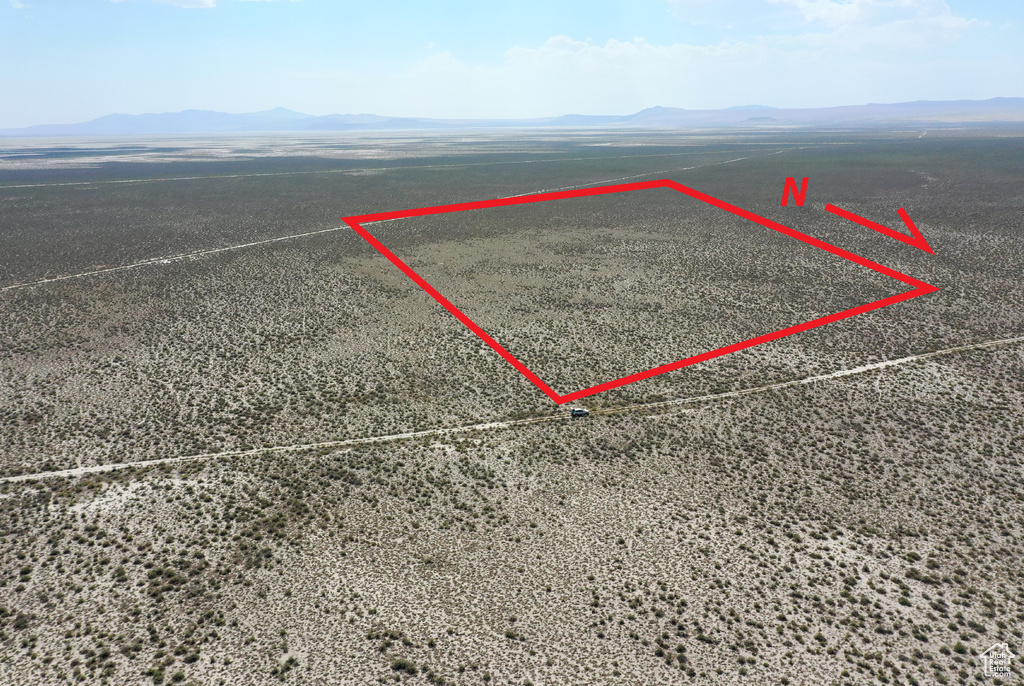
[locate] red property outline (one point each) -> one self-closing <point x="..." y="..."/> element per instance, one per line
<point x="356" y="222"/>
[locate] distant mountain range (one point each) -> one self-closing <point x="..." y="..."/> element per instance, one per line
<point x="923" y="112"/>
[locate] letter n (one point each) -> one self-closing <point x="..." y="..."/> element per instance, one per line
<point x="798" y="195"/>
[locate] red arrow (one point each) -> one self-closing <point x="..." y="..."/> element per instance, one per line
<point x="915" y="238"/>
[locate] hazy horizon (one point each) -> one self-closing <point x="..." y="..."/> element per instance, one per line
<point x="524" y="60"/>
<point x="927" y="113"/>
<point x="751" y="107"/>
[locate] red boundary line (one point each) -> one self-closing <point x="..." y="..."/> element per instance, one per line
<point x="916" y="238"/>
<point x="356" y="223"/>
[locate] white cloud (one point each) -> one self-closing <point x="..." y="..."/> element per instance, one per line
<point x="18" y="5"/>
<point x="829" y="12"/>
<point x="900" y="59"/>
<point x="807" y="53"/>
<point x="622" y="76"/>
<point x="561" y="76"/>
<point x="897" y="26"/>
<point x="197" y="4"/>
<point x="190" y="4"/>
<point x="767" y="17"/>
<point x="839" y="14"/>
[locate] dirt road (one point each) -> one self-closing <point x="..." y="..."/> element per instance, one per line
<point x="493" y="426"/>
<point x="344" y="227"/>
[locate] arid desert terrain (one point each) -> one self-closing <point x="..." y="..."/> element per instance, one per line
<point x="239" y="446"/>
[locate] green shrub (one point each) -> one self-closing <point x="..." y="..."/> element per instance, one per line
<point x="400" y="664"/>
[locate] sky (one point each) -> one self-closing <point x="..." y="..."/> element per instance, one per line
<point x="66" y="61"/>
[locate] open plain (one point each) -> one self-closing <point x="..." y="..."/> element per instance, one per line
<point x="201" y="298"/>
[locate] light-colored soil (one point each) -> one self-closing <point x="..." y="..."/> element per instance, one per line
<point x="268" y="458"/>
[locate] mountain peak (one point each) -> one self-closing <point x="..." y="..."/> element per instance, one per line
<point x="1004" y="110"/>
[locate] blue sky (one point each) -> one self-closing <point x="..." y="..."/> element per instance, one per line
<point x="73" y="60"/>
